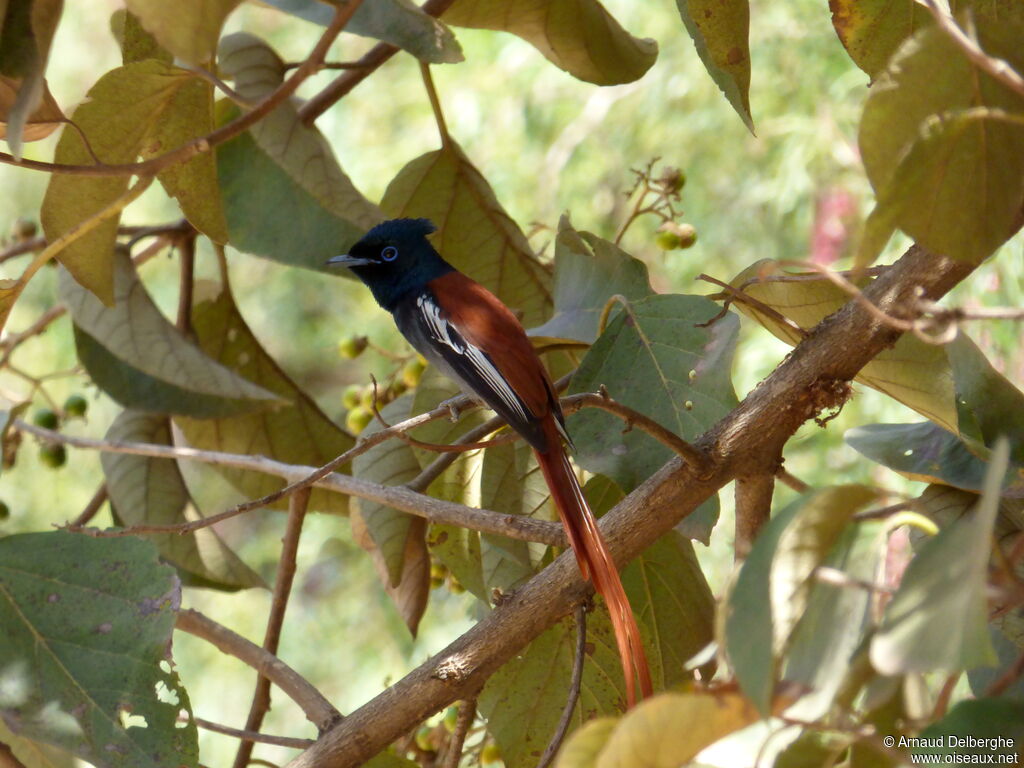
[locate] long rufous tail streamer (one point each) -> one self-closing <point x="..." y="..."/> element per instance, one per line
<point x="596" y="563"/>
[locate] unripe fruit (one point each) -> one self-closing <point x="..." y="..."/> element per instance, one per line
<point x="352" y="347"/>
<point x="412" y="371"/>
<point x="357" y="420"/>
<point x="5" y="511"/>
<point x="45" y="418"/>
<point x="451" y="716"/>
<point x="53" y="455"/>
<point x="687" y="235"/>
<point x="76" y="405"/>
<point x="351" y="396"/>
<point x="667" y="241"/>
<point x="490" y="753"/>
<point x="438" y="571"/>
<point x="673" y="179"/>
<point x="424" y="740"/>
<point x="454" y="586"/>
<point x="23" y="229"/>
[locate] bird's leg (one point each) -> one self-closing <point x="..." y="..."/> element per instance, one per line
<point x="456" y="405"/>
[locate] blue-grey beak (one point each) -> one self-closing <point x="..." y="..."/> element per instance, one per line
<point x="345" y="260"/>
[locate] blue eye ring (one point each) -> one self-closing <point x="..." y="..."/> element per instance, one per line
<point x="389" y="253"/>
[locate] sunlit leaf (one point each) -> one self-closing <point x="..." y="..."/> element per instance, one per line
<point x="124" y="111"/>
<point x="389" y="463"/>
<point x="588" y="272"/>
<point x="143" y="361"/>
<point x="285" y="196"/>
<point x="946" y="156"/>
<point x="149" y="491"/>
<point x="398" y="22"/>
<point x="459" y="550"/>
<point x="720" y="31"/>
<point x="650" y="735"/>
<point x="654" y="359"/>
<point x="297" y="433"/>
<point x="872" y="30"/>
<point x="579" y="36"/>
<point x="802" y="547"/>
<point x="475" y="234"/>
<point x="584" y="745"/>
<point x="68" y="600"/>
<point x="188" y="29"/>
<point x="913" y="372"/>
<point x="937" y="620"/>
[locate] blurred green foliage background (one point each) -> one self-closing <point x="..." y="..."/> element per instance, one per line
<point x="548" y="144"/>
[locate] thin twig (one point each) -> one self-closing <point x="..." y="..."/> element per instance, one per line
<point x="396" y="497"/>
<point x="737" y="294"/>
<point x="318" y="710"/>
<point x="467" y="712"/>
<point x="361" y="69"/>
<point x="252" y="736"/>
<point x="792" y="481"/>
<point x="94" y="506"/>
<point x="205" y="143"/>
<point x="996" y="68"/>
<point x="187" y="265"/>
<point x="574" y="689"/>
<point x="297" y="507"/>
<point x="435" y="104"/>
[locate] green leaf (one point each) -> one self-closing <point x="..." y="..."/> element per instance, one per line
<point x="523" y="701"/>
<point x="189" y="30"/>
<point x="511" y="483"/>
<point x="26" y="33"/>
<point x="136" y="43"/>
<point x="475" y="234"/>
<point x="578" y="36"/>
<point x="398" y="22"/>
<point x="135" y="355"/>
<point x="938" y="619"/>
<point x="297" y="433"/>
<point x="588" y="272"/>
<point x="584" y="745"/>
<point x="650" y="736"/>
<point x="150" y="491"/>
<point x="982" y="728"/>
<point x="872" y="30"/>
<point x="459" y="550"/>
<point x="67" y="600"/>
<point x="831" y="629"/>
<point x="653" y="358"/>
<point x="720" y="31"/>
<point x="285" y="196"/>
<point x="913" y="372"/>
<point x="389" y="463"/>
<point x="802" y="547"/>
<point x="748" y="615"/>
<point x="927" y="453"/>
<point x="122" y="116"/>
<point x="946" y="156"/>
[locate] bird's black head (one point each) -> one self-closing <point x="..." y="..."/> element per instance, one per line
<point x="395" y="258"/>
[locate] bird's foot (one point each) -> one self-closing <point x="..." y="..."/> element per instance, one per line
<point x="456" y="405"/>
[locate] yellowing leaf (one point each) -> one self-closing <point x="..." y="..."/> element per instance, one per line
<point x="720" y="30"/>
<point x="475" y="234"/>
<point x="871" y="30"/>
<point x="584" y="746"/>
<point x="669" y="730"/>
<point x="579" y="36"/>
<point x="913" y="372"/>
<point x="187" y="28"/>
<point x="124" y="108"/>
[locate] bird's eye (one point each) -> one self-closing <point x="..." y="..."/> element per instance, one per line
<point x="389" y="253"/>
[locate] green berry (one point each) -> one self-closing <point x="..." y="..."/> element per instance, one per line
<point x="436" y="583"/>
<point x="438" y="571"/>
<point x="53" y="455"/>
<point x="351" y="396"/>
<point x="45" y="418"/>
<point x="352" y="347"/>
<point x="5" y="511"/>
<point x="687" y="235"/>
<point x="23" y="229"/>
<point x="490" y="753"/>
<point x="454" y="586"/>
<point x="357" y="420"/>
<point x="667" y="241"/>
<point x="76" y="405"/>
<point x="413" y="370"/>
<point x="424" y="739"/>
<point x="451" y="716"/>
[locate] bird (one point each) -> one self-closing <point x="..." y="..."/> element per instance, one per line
<point x="468" y="334"/>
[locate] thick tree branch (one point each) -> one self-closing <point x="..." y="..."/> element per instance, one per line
<point x="832" y="353"/>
